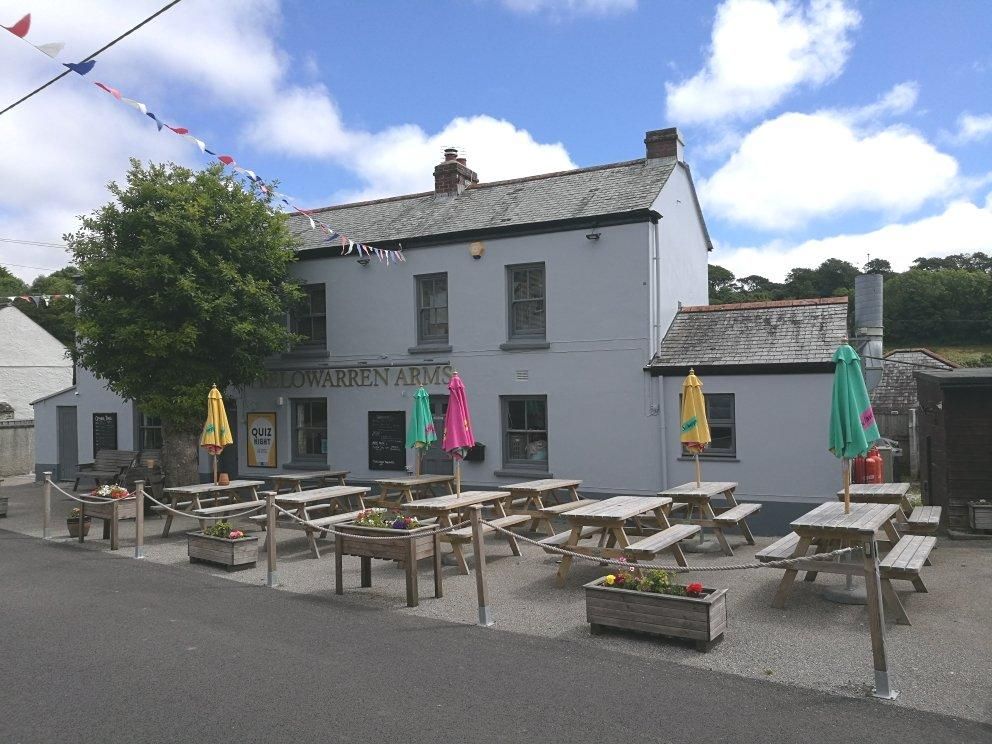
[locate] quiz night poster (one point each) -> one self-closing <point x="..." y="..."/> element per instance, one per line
<point x="262" y="440"/>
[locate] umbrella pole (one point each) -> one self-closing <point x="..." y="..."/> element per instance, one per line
<point x="416" y="462"/>
<point x="215" y="470"/>
<point x="698" y="472"/>
<point x="846" y="467"/>
<point x="458" y="477"/>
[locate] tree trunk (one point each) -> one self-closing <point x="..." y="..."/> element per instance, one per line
<point x="180" y="456"/>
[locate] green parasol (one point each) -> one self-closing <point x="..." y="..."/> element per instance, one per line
<point x="852" y="422"/>
<point x="420" y="433"/>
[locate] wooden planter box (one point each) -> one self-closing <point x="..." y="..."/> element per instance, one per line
<point x="126" y="509"/>
<point x="702" y="620"/>
<point x="231" y="554"/>
<point x="981" y="515"/>
<point x="407" y="551"/>
<point x="3" y="506"/>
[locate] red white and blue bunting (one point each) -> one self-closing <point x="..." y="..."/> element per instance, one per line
<point x="333" y="237"/>
<point x="41" y="300"/>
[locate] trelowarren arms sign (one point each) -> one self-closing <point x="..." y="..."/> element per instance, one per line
<point x="432" y="374"/>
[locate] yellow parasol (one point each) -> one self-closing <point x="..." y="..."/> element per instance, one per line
<point x="216" y="431"/>
<point x="695" y="428"/>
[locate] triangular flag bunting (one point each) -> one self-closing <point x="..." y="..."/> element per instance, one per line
<point x="21" y="27"/>
<point x="135" y="104"/>
<point x="112" y="91"/>
<point x="226" y="159"/>
<point x="52" y="49"/>
<point x="80" y="68"/>
<point x="154" y="118"/>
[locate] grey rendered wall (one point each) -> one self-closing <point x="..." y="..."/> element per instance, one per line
<point x="782" y="425"/>
<point x="599" y="401"/>
<point x="16" y="447"/>
<point x="32" y="362"/>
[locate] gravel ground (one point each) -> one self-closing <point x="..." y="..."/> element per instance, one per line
<point x="939" y="664"/>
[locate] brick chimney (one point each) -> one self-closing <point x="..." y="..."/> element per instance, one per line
<point x="453" y="176"/>
<point x="664" y="143"/>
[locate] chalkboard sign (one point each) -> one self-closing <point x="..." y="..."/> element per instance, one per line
<point x="387" y="440"/>
<point x="104" y="432"/>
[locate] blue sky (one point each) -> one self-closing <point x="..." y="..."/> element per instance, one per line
<point x="814" y="129"/>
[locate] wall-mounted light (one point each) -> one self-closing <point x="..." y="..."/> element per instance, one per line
<point x="593" y="235"/>
<point x="364" y="261"/>
<point x="280" y="401"/>
<point x="477" y="249"/>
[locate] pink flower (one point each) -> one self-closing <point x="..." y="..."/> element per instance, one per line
<point x="236" y="534"/>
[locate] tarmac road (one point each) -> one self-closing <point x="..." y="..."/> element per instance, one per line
<point x="99" y="648"/>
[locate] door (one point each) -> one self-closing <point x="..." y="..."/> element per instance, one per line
<point x="436" y="461"/>
<point x="67" y="443"/>
<point x="228" y="460"/>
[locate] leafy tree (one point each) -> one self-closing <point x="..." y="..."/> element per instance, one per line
<point x="10" y="285"/>
<point x="59" y="316"/>
<point x="964" y="261"/>
<point x="185" y="283"/>
<point x="721" y="284"/>
<point x="948" y="305"/>
<point x="878" y="266"/>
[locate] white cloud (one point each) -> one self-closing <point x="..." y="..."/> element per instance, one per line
<point x="971" y="128"/>
<point x="899" y="100"/>
<point x="799" y="167"/>
<point x="759" y="52"/>
<point x="63" y="146"/>
<point x="963" y="227"/>
<point x="570" y="7"/>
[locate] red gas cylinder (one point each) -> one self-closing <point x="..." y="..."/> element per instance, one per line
<point x="874" y="472"/>
<point x="858" y="471"/>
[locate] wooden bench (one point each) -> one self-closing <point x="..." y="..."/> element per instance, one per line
<point x="648" y="547"/>
<point x="107" y="467"/>
<point x="465" y="533"/>
<point x="216" y="513"/>
<point x="736" y="514"/>
<point x="561" y="538"/>
<point x="904" y="562"/>
<point x="923" y="521"/>
<point x="780" y="549"/>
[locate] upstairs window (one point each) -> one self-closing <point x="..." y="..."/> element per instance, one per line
<point x="432" y="310"/>
<point x="526" y="284"/>
<point x="309" y="319"/>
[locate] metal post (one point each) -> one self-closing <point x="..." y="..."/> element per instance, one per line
<point x="479" y="548"/>
<point x="47" y="504"/>
<point x="270" y="539"/>
<point x="139" y="519"/>
<point x="876" y="623"/>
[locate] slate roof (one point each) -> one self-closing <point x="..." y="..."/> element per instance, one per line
<point x="576" y="194"/>
<point x="745" y="334"/>
<point x="896" y="391"/>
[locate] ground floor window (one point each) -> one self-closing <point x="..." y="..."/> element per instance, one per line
<point x="149" y="432"/>
<point x="721" y="416"/>
<point x="310" y="429"/>
<point x="525" y="431"/>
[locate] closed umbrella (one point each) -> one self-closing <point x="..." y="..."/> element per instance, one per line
<point x="458" y="436"/>
<point x="852" y="422"/>
<point x="216" y="431"/>
<point x="420" y="433"/>
<point x="695" y="428"/>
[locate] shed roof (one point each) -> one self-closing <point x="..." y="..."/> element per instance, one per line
<point x="896" y="391"/>
<point x="749" y="336"/>
<point x="962" y="377"/>
<point x="585" y="193"/>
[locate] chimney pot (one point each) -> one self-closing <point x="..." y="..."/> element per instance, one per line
<point x="664" y="143"/>
<point x="453" y="176"/>
<point x="450" y="153"/>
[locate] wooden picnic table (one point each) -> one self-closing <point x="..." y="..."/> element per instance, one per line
<point x="407" y="489"/>
<point x="198" y="492"/>
<point x="698" y="499"/>
<point x="881" y="493"/>
<point x="295" y="481"/>
<point x="532" y="495"/>
<point x="305" y="503"/>
<point x="446" y="507"/>
<point x="605" y="519"/>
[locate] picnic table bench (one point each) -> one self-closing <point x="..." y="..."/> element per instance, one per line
<point x="333" y="502"/>
<point x="107" y="467"/>
<point x="695" y="498"/>
<point x="921" y="520"/>
<point x="827" y="526"/>
<point x="446" y="507"/>
<point x="194" y="498"/>
<point x="528" y="498"/>
<point x="606" y="519"/>
<point x="295" y="481"/>
<point x="396" y="491"/>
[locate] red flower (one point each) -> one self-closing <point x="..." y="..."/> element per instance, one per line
<point x="694" y="589"/>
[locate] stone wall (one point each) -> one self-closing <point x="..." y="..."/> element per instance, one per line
<point x="16" y="447"/>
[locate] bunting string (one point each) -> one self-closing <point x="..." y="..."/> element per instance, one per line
<point x="41" y="300"/>
<point x="332" y="237"/>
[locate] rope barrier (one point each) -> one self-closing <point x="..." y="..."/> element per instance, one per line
<point x="352" y="535"/>
<point x="90" y="499"/>
<point x="785" y="563"/>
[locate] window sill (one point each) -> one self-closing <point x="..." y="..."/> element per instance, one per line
<point x="527" y="473"/>
<point x="306" y="354"/>
<point x="429" y="349"/>
<point x="524" y="345"/>
<point x="305" y="465"/>
<point x="711" y="458"/>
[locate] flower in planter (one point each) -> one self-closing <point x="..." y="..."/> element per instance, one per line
<point x="74" y="514"/>
<point x="610" y="580"/>
<point x="236" y="535"/>
<point x="110" y="492"/>
<point x="223" y="529"/>
<point x="651" y="582"/>
<point x="694" y="590"/>
<point x="384" y="519"/>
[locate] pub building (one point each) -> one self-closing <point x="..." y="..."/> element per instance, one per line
<point x="553" y="296"/>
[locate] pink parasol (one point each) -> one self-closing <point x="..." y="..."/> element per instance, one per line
<point x="458" y="436"/>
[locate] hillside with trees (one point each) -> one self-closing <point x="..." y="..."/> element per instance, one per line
<point x="942" y="303"/>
